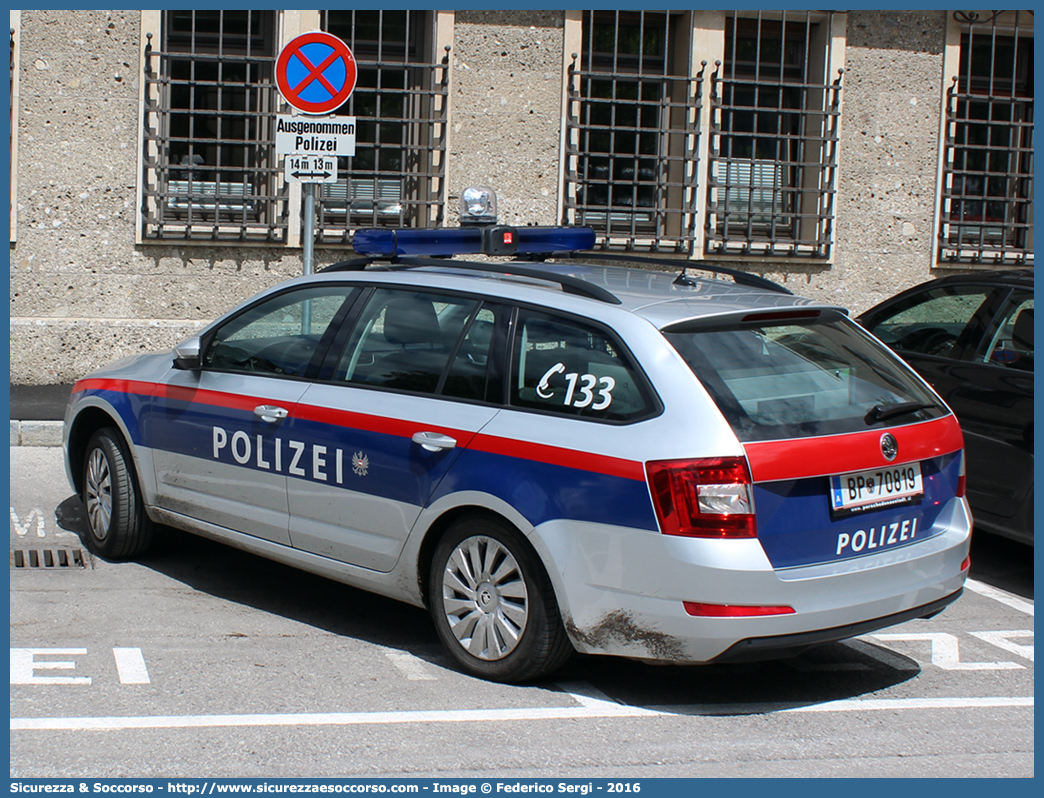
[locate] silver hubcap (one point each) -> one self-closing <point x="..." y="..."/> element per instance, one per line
<point x="484" y="598"/>
<point x="99" y="493"/>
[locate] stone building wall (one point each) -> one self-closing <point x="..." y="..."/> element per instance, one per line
<point x="83" y="293"/>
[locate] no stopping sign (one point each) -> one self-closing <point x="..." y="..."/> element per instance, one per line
<point x="316" y="72"/>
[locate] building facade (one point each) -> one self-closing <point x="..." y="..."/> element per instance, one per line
<point x="847" y="155"/>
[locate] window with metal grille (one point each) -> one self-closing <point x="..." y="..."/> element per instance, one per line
<point x="210" y="100"/>
<point x="987" y="190"/>
<point x="773" y="147"/>
<point x="396" y="177"/>
<point x="632" y="129"/>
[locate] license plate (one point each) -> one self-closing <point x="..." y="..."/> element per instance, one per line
<point x="860" y="491"/>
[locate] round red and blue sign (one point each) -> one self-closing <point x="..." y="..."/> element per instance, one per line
<point x="316" y="72"/>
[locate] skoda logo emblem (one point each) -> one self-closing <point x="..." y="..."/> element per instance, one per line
<point x="889" y="447"/>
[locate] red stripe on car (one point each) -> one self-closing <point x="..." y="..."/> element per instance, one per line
<point x="537" y="452"/>
<point x="799" y="458"/>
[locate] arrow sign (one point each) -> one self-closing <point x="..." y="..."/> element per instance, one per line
<point x="310" y="169"/>
<point x="316" y="72"/>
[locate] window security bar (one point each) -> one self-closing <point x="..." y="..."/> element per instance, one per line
<point x="397" y="176"/>
<point x="210" y="169"/>
<point x="987" y="189"/>
<point x="632" y="133"/>
<point x="210" y="172"/>
<point x="772" y="168"/>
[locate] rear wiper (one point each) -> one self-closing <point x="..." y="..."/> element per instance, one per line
<point x="883" y="412"/>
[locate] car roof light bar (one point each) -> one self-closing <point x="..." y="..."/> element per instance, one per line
<point x="488" y="240"/>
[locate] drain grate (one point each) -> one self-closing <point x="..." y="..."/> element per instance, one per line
<point x="48" y="558"/>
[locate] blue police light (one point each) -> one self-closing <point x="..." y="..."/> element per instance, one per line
<point x="449" y="241"/>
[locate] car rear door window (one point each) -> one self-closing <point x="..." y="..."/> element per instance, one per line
<point x="1011" y="344"/>
<point x="565" y="366"/>
<point x="405" y="340"/>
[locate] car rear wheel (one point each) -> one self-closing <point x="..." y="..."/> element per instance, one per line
<point x="117" y="524"/>
<point x="493" y="604"/>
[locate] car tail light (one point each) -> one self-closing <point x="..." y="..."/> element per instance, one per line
<point x="962" y="479"/>
<point x="708" y="498"/>
<point x="733" y="610"/>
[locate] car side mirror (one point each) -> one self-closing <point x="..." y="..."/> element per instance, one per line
<point x="187" y="356"/>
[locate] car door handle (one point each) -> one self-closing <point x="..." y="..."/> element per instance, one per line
<point x="434" y="441"/>
<point x="271" y="413"/>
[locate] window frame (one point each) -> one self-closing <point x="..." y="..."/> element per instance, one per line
<point x="672" y="221"/>
<point x="961" y="239"/>
<point x="705" y="176"/>
<point x="175" y="204"/>
<point x="419" y="200"/>
<point x="281" y="201"/>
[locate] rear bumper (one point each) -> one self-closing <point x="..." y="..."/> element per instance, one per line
<point x="781" y="646"/>
<point x="622" y="591"/>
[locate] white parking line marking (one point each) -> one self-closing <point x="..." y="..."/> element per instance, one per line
<point x="130" y="664"/>
<point x="24" y="666"/>
<point x="1003" y="640"/>
<point x="1003" y="596"/>
<point x="410" y="666"/>
<point x="882" y="655"/>
<point x="591" y="698"/>
<point x="594" y="708"/>
<point x="946" y="652"/>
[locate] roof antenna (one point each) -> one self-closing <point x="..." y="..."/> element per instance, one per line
<point x="683" y="278"/>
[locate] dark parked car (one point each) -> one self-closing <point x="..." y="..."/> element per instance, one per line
<point x="971" y="337"/>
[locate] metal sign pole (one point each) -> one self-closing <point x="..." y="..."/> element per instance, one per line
<point x="309" y="227"/>
<point x="309" y="251"/>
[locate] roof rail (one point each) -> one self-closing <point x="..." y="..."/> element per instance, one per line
<point x="569" y="284"/>
<point x="743" y="278"/>
<point x="350" y="265"/>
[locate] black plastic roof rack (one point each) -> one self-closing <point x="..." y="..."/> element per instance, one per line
<point x="569" y="284"/>
<point x="742" y="278"/>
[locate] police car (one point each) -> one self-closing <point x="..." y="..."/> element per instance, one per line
<point x="549" y="456"/>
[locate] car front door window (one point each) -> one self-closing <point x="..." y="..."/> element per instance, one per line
<point x="931" y="323"/>
<point x="280" y="336"/>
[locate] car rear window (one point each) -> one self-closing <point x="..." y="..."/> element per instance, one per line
<point x="790" y="379"/>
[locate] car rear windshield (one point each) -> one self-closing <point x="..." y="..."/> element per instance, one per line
<point x="790" y="379"/>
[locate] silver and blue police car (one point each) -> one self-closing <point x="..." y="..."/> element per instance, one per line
<point x="550" y="457"/>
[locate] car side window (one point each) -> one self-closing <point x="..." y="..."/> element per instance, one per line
<point x="930" y="323"/>
<point x="564" y="366"/>
<point x="404" y="340"/>
<point x="1011" y="344"/>
<point x="278" y="336"/>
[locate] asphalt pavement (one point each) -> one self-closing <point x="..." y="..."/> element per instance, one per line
<point x="39" y="402"/>
<point x="36" y="414"/>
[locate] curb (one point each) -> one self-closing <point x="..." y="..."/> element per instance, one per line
<point x="36" y="433"/>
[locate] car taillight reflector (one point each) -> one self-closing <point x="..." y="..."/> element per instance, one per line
<point x="966" y="564"/>
<point x="707" y="498"/>
<point x="962" y="480"/>
<point x="732" y="610"/>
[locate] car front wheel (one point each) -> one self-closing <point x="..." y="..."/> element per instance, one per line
<point x="493" y="604"/>
<point x="117" y="524"/>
